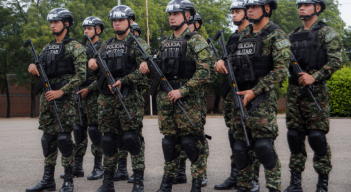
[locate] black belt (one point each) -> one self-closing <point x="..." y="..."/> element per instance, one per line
<point x="86" y="83"/>
<point x="175" y="85"/>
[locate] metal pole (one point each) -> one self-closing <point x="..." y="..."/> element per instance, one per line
<point x="148" y="42"/>
<point x="119" y="2"/>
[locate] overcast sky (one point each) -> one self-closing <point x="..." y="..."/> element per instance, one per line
<point x="345" y="8"/>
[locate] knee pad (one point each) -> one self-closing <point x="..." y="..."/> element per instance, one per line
<point x="189" y="146"/>
<point x="132" y="140"/>
<point x="318" y="142"/>
<point x="265" y="152"/>
<point x="168" y="147"/>
<point x="94" y="134"/>
<point x="46" y="140"/>
<point x="231" y="138"/>
<point x="79" y="133"/>
<point x="295" y="140"/>
<point x="241" y="154"/>
<point x="109" y="143"/>
<point x="65" y="144"/>
<point x="120" y="141"/>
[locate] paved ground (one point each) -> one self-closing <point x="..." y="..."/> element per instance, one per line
<point x="21" y="159"/>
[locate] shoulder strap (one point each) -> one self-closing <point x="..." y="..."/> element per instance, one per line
<point x="107" y="42"/>
<point x="190" y="35"/>
<point x="319" y="25"/>
<point x="66" y="41"/>
<point x="267" y="31"/>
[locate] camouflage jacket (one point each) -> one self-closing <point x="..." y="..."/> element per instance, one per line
<point x="198" y="51"/>
<point x="329" y="40"/>
<point x="278" y="45"/>
<point x="76" y="51"/>
<point x="136" y="77"/>
<point x="94" y="85"/>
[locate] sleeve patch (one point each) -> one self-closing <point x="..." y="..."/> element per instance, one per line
<point x="334" y="44"/>
<point x="282" y="44"/>
<point x="330" y="36"/>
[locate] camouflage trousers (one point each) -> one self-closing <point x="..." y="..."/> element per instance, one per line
<point x="49" y="124"/>
<point x="89" y="117"/>
<point x="113" y="118"/>
<point x="172" y="122"/>
<point x="227" y="114"/>
<point x="303" y="115"/>
<point x="262" y="123"/>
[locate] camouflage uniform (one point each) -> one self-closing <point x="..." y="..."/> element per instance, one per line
<point x="171" y="120"/>
<point x="112" y="117"/>
<point x="302" y="113"/>
<point x="47" y="119"/>
<point x="262" y="123"/>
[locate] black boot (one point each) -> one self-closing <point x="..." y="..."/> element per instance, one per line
<point x="204" y="181"/>
<point x="107" y="184"/>
<point x="181" y="176"/>
<point x="295" y="182"/>
<point x="322" y="185"/>
<point x="273" y="190"/>
<point x="77" y="169"/>
<point x="255" y="182"/>
<point x="131" y="179"/>
<point x="166" y="185"/>
<point x="48" y="182"/>
<point x="243" y="189"/>
<point x="231" y="181"/>
<point x="138" y="185"/>
<point x="121" y="173"/>
<point x="97" y="172"/>
<point x="196" y="185"/>
<point x="67" y="185"/>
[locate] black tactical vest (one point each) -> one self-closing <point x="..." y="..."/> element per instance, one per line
<point x="55" y="63"/>
<point x="304" y="47"/>
<point x="232" y="43"/>
<point x="248" y="63"/>
<point x="90" y="55"/>
<point x="172" y="61"/>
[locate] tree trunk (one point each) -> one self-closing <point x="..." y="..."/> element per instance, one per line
<point x="7" y="89"/>
<point x="32" y="101"/>
<point x="216" y="103"/>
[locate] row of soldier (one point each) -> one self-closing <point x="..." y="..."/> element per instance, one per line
<point x="188" y="63"/>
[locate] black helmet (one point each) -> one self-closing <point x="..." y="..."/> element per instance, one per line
<point x="60" y="14"/>
<point x="197" y="18"/>
<point x="122" y="12"/>
<point x="93" y="21"/>
<point x="321" y="2"/>
<point x="239" y="4"/>
<point x="272" y="3"/>
<point x="136" y="27"/>
<point x="180" y="6"/>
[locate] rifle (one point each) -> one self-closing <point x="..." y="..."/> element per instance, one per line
<point x="43" y="78"/>
<point x="232" y="81"/>
<point x="105" y="71"/>
<point x="297" y="69"/>
<point x="159" y="75"/>
<point x="79" y="101"/>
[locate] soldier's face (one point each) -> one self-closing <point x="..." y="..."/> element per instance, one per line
<point x="89" y="30"/>
<point x="56" y="26"/>
<point x="120" y="24"/>
<point x="306" y="9"/>
<point x="197" y="24"/>
<point x="175" y="18"/>
<point x="136" y="33"/>
<point x="191" y="27"/>
<point x="238" y="14"/>
<point x="254" y="11"/>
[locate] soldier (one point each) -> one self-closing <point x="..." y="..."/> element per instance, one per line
<point x="114" y="123"/>
<point x="264" y="49"/>
<point x="317" y="48"/>
<point x="69" y="55"/>
<point x="136" y="29"/>
<point x="188" y="54"/>
<point x="240" y="20"/>
<point x="195" y="23"/>
<point x="93" y="26"/>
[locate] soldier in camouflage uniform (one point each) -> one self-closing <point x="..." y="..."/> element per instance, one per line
<point x="185" y="59"/>
<point x="240" y="19"/>
<point x="317" y="48"/>
<point x="70" y="58"/>
<point x="117" y="129"/>
<point x="89" y="94"/>
<point x="264" y="49"/>
<point x="195" y="23"/>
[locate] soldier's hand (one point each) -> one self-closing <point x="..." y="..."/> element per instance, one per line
<point x="92" y="64"/>
<point x="174" y="95"/>
<point x="83" y="92"/>
<point x="220" y="67"/>
<point x="306" y="79"/>
<point x="54" y="94"/>
<point x="144" y="68"/>
<point x="248" y="96"/>
<point x="118" y="83"/>
<point x="32" y="69"/>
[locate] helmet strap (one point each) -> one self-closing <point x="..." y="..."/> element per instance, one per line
<point x="176" y="27"/>
<point x="265" y="14"/>
<point x="241" y="21"/>
<point x="123" y="32"/>
<point x="60" y="32"/>
<point x="305" y="17"/>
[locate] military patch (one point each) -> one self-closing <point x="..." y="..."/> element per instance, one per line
<point x="200" y="46"/>
<point x="330" y="36"/>
<point x="286" y="53"/>
<point x="282" y="44"/>
<point x="334" y="44"/>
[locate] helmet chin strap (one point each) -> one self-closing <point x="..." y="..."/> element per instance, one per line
<point x="123" y="32"/>
<point x="239" y="22"/>
<point x="60" y="32"/>
<point x="305" y="17"/>
<point x="176" y="27"/>
<point x="265" y="14"/>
